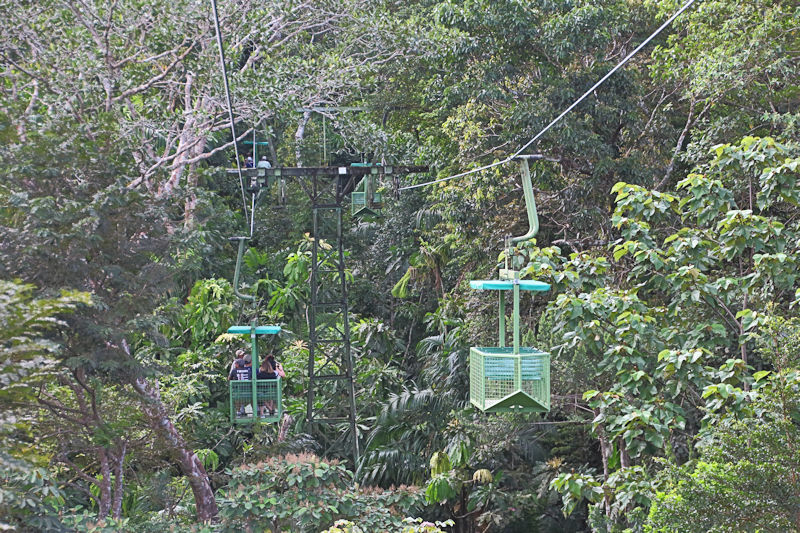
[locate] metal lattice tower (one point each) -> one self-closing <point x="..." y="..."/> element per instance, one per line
<point x="331" y="390"/>
<point x="331" y="387"/>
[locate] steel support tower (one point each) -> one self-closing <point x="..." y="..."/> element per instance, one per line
<point x="331" y="386"/>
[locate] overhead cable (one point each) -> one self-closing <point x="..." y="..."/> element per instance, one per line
<point x="230" y="112"/>
<point x="567" y="110"/>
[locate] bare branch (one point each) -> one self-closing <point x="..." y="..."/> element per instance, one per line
<point x="152" y="81"/>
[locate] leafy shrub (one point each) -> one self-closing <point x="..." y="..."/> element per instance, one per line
<point x="305" y="493"/>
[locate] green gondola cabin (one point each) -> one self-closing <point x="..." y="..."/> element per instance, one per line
<point x="366" y="200"/>
<point x="250" y="398"/>
<point x="511" y="378"/>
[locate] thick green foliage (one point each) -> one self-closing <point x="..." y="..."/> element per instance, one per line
<point x="29" y="496"/>
<point x="747" y="475"/>
<point x="110" y="121"/>
<point x="305" y="493"/>
<point x="24" y="324"/>
<point x="668" y="345"/>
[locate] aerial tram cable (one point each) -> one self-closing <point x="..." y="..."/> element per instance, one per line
<point x="331" y="346"/>
<point x="517" y="378"/>
<point x="565" y="112"/>
<point x="263" y="396"/>
<point x="248" y="218"/>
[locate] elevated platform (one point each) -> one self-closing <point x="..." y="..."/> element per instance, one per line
<point x="255" y="400"/>
<point x="509" y="378"/>
<point x="365" y="200"/>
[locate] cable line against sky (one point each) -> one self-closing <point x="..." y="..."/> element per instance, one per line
<point x="230" y="113"/>
<point x="563" y="113"/>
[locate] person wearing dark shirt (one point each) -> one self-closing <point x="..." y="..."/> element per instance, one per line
<point x="238" y="360"/>
<point x="276" y="365"/>
<point x="241" y="370"/>
<point x="267" y="402"/>
<point x="266" y="370"/>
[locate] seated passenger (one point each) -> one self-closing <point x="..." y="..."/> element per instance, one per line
<point x="276" y="365"/>
<point x="267" y="403"/>
<point x="241" y="371"/>
<point x="266" y="370"/>
<point x="238" y="359"/>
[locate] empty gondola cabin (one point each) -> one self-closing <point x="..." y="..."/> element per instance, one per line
<point x="509" y="378"/>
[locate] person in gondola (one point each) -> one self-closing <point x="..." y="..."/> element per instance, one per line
<point x="241" y="370"/>
<point x="239" y="367"/>
<point x="276" y="365"/>
<point x="267" y="371"/>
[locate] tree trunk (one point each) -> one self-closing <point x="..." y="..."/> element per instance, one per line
<point x="273" y="149"/>
<point x="624" y="456"/>
<point x="191" y="145"/>
<point x="186" y="139"/>
<point x="606" y="451"/>
<point x="104" y="484"/>
<point x="298" y="137"/>
<point x="187" y="460"/>
<point x="191" y="185"/>
<point x="119" y="488"/>
<point x="285" y="423"/>
<point x="665" y="180"/>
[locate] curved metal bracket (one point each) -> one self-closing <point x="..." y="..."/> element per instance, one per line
<point x="530" y="203"/>
<point x="239" y="256"/>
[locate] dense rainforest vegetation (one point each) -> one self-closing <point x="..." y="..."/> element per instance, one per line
<point x="670" y="229"/>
